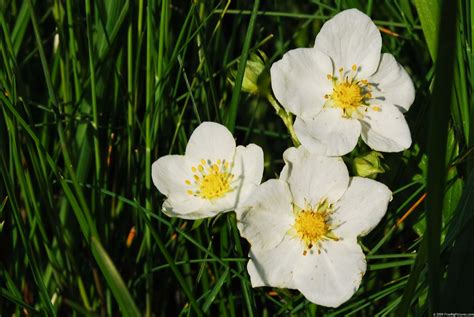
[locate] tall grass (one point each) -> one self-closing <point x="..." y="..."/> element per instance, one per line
<point x="92" y="92"/>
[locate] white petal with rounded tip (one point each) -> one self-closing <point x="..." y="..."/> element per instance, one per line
<point x="169" y="174"/>
<point x="290" y="155"/>
<point x="186" y="207"/>
<point x="361" y="208"/>
<point x="275" y="267"/>
<point x="349" y="38"/>
<point x="211" y="141"/>
<point x="392" y="83"/>
<point x="385" y="130"/>
<point x="194" y="207"/>
<point x="299" y="80"/>
<point x="312" y="177"/>
<point x="267" y="215"/>
<point x="331" y="277"/>
<point x="328" y="133"/>
<point x="249" y="163"/>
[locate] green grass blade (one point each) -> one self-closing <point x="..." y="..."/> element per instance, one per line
<point x="234" y="102"/>
<point x="429" y="13"/>
<point x="116" y="284"/>
<point x="438" y="131"/>
<point x="458" y="290"/>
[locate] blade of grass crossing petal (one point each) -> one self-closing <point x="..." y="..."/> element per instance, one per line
<point x="234" y="102"/>
<point x="437" y="132"/>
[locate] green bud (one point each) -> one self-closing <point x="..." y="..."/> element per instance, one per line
<point x="368" y="165"/>
<point x="256" y="78"/>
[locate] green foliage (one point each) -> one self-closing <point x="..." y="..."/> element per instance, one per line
<point x="92" y="92"/>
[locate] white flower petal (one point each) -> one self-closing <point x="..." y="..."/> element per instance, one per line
<point x="290" y="155"/>
<point x="349" y="38"/>
<point x="331" y="277"/>
<point x="361" y="208"/>
<point x="392" y="83"/>
<point x="211" y="141"/>
<point x="274" y="267"/>
<point x="385" y="130"/>
<point x="267" y="215"/>
<point x="169" y="174"/>
<point x="313" y="178"/>
<point x="328" y="133"/>
<point x="249" y="163"/>
<point x="247" y="170"/>
<point x="186" y="207"/>
<point x="299" y="80"/>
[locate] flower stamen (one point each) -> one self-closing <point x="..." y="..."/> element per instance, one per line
<point x="213" y="180"/>
<point x="349" y="94"/>
<point x="312" y="225"/>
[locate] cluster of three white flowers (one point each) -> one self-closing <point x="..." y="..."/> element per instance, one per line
<point x="303" y="227"/>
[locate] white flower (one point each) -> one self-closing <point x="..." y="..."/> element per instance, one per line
<point x="344" y="87"/>
<point x="213" y="176"/>
<point x="303" y="227"/>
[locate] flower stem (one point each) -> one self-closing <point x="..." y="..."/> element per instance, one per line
<point x="286" y="117"/>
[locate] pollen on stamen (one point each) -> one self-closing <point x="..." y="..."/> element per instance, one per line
<point x="329" y="76"/>
<point x="354" y="67"/>
<point x="193" y="169"/>
<point x="341" y="69"/>
<point x="376" y="108"/>
<point x="190" y="192"/>
<point x="188" y="182"/>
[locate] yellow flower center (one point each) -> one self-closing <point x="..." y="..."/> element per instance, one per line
<point x="213" y="180"/>
<point x="349" y="94"/>
<point x="311" y="224"/>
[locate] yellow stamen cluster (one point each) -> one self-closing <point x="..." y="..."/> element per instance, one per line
<point x="349" y="94"/>
<point x="213" y="180"/>
<point x="311" y="225"/>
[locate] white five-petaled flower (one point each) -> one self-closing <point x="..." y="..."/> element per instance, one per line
<point x="213" y="176"/>
<point x="303" y="227"/>
<point x="344" y="87"/>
